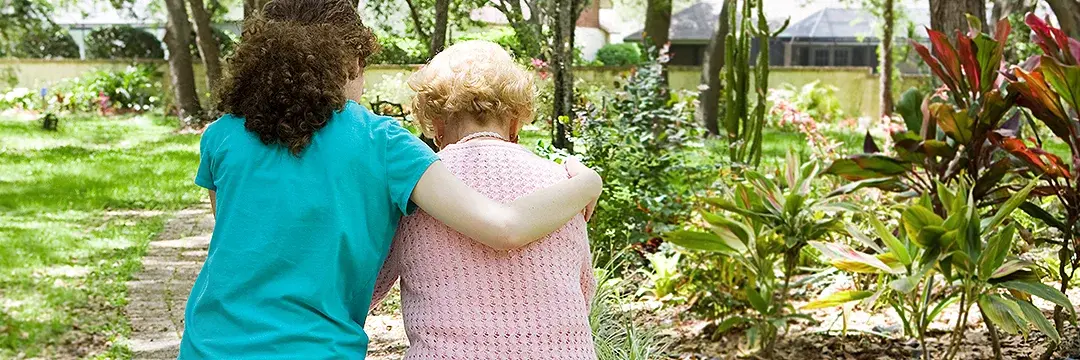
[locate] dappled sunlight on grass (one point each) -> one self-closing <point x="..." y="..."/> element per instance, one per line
<point x="77" y="208"/>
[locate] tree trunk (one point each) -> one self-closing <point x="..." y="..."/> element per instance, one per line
<point x="208" y="45"/>
<point x="657" y="22"/>
<point x="948" y="16"/>
<point x="561" y="64"/>
<point x="438" y="37"/>
<point x="529" y="32"/>
<point x="418" y="23"/>
<point x="888" y="22"/>
<point x="1068" y="16"/>
<point x="180" y="69"/>
<point x="708" y="110"/>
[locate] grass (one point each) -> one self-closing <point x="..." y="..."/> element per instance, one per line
<point x="76" y="214"/>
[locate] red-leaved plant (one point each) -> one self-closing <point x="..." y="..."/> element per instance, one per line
<point x="1048" y="86"/>
<point x="968" y="108"/>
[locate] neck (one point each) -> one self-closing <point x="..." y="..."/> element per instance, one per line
<point x="461" y="129"/>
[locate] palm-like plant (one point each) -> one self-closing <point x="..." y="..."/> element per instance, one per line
<point x="772" y="223"/>
<point x="969" y="250"/>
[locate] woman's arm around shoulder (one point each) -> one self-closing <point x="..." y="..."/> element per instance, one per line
<point x="506" y="226"/>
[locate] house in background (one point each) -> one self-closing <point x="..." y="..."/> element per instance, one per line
<point x="836" y="38"/>
<point x="830" y="37"/>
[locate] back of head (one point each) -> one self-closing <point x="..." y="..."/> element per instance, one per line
<point x="289" y="74"/>
<point x="474" y="79"/>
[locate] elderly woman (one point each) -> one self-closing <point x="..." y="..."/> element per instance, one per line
<point x="459" y="298"/>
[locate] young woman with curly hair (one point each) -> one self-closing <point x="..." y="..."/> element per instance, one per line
<point x="474" y="302"/>
<point x="308" y="188"/>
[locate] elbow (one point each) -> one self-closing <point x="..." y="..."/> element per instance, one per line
<point x="506" y="235"/>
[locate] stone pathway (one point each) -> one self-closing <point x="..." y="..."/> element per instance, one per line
<point x="158" y="293"/>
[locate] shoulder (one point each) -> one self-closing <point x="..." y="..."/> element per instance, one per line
<point x="221" y="129"/>
<point x="358" y="117"/>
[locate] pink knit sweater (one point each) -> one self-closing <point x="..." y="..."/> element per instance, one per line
<point x="463" y="300"/>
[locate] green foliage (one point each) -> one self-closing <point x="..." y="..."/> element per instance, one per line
<point x="502" y="36"/>
<point x="400" y="51"/>
<point x="742" y="122"/>
<point x="817" y="100"/>
<point x="23" y="25"/>
<point x="637" y="145"/>
<point x="664" y="277"/>
<point x="616" y="335"/>
<point x="21" y="98"/>
<point x="966" y="247"/>
<point x="123" y="42"/>
<point x="765" y="226"/>
<point x="910" y="108"/>
<point x="49" y="43"/>
<point x="973" y="113"/>
<point x="619" y="54"/>
<point x="136" y="88"/>
<point x="1049" y="89"/>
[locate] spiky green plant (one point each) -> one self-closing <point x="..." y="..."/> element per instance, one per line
<point x="743" y="123"/>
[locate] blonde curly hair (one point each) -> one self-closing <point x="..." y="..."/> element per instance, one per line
<point x="474" y="78"/>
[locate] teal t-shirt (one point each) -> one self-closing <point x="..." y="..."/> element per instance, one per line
<point x="298" y="241"/>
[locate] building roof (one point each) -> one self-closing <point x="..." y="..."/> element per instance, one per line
<point x="694" y="24"/>
<point x="836" y="24"/>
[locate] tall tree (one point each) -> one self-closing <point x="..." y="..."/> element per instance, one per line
<point x="177" y="34"/>
<point x="208" y="45"/>
<point x="948" y="16"/>
<point x="708" y="111"/>
<point x="438" y="36"/>
<point x="527" y="18"/>
<point x="565" y="16"/>
<point x="888" y="19"/>
<point x="657" y="22"/>
<point x="1068" y="16"/>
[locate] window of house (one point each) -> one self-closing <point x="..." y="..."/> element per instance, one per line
<point x="841" y="57"/>
<point x="801" y="56"/>
<point x="858" y="56"/>
<point x="821" y="57"/>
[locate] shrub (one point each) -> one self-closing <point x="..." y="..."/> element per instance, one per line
<point x="638" y="143"/>
<point x="400" y="51"/>
<point x="123" y="42"/>
<point x="225" y="41"/>
<point x="817" y="100"/>
<point x="20" y="98"/>
<point x="53" y="42"/>
<point x="136" y="88"/>
<point x="505" y="37"/>
<point x="619" y="54"/>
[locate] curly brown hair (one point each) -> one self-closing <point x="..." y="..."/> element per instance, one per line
<point x="288" y="75"/>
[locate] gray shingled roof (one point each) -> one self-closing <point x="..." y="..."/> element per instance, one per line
<point x="846" y="24"/>
<point x="696" y="23"/>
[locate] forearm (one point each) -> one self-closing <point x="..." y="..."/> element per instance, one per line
<point x="503" y="226"/>
<point x="548" y="209"/>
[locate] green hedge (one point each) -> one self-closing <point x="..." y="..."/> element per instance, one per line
<point x="619" y="54"/>
<point x="123" y="42"/>
<point x="53" y="42"/>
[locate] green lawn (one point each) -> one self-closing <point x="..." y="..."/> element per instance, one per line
<point x="77" y="209"/>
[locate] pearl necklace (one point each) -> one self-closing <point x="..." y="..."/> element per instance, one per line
<point x="481" y="134"/>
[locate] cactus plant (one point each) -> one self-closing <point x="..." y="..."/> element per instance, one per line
<point x="743" y="123"/>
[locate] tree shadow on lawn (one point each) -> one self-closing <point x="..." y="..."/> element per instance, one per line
<point x="69" y="302"/>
